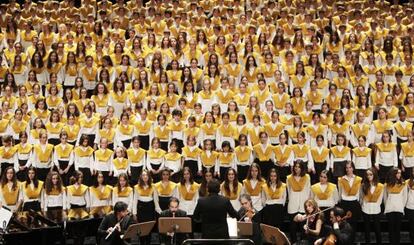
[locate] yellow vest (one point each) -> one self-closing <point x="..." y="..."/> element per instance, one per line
<point x="83" y="152"/>
<point x="144" y="191"/>
<point x="243" y="154"/>
<point x="297" y="186"/>
<point x="253" y="191"/>
<point x="263" y="155"/>
<point x="101" y="195"/>
<point x="208" y="161"/>
<point x="373" y="197"/>
<point x="319" y="157"/>
<point x="350" y="190"/>
<point x="10" y="196"/>
<point x="165" y="190"/>
<point x="135" y="156"/>
<point x="188" y="194"/>
<point x="120" y="164"/>
<point x="340" y="154"/>
<point x="316" y="189"/>
<point x="274" y="194"/>
<point x="386" y="147"/>
<point x="7" y="153"/>
<point x="44" y="156"/>
<point x="63" y="153"/>
<point x="32" y="193"/>
<point x="152" y="154"/>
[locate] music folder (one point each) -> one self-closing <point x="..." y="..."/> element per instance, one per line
<point x="177" y="225"/>
<point x="137" y="230"/>
<point x="245" y="228"/>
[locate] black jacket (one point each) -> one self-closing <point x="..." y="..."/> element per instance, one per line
<point x="212" y="212"/>
<point x="110" y="221"/>
<point x="344" y="235"/>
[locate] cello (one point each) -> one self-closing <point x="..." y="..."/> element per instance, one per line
<point x="331" y="238"/>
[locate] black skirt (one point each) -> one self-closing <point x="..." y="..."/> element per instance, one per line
<point x="65" y="177"/>
<point x="319" y="167"/>
<point x="283" y="172"/>
<point x="42" y="173"/>
<point x="144" y="142"/>
<point x="339" y="168"/>
<point x="273" y="215"/>
<point x="126" y="143"/>
<point x="164" y="202"/>
<point x="242" y="172"/>
<point x="265" y="166"/>
<point x="164" y="145"/>
<point x="54" y="142"/>
<point x="87" y="177"/>
<point x="135" y="173"/>
<point x="34" y="205"/>
<point x="21" y="174"/>
<point x="192" y="165"/>
<point x="145" y="211"/>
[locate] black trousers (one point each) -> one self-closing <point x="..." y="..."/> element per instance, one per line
<point x="394" y="227"/>
<point x="409" y="214"/>
<point x="372" y="219"/>
<point x="293" y="228"/>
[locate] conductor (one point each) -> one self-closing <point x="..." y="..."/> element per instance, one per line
<point x="114" y="225"/>
<point x="212" y="212"/>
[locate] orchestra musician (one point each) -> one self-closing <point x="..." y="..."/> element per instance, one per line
<point x="114" y="225"/>
<point x="173" y="211"/>
<point x="312" y="222"/>
<point x="249" y="214"/>
<point x="341" y="232"/>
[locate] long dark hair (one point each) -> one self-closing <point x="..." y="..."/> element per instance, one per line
<point x="141" y="182"/>
<point x="365" y="182"/>
<point x="4" y="178"/>
<point x="182" y="180"/>
<point x="118" y="185"/>
<point x="203" y="187"/>
<point x="392" y="178"/>
<point x="226" y="183"/>
<point x="249" y="172"/>
<point x="49" y="184"/>
<point x="35" y="181"/>
<point x="278" y="181"/>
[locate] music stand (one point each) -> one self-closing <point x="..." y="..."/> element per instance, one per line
<point x="138" y="230"/>
<point x="174" y="225"/>
<point x="273" y="235"/>
<point x="244" y="228"/>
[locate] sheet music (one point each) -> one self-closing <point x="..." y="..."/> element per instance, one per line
<point x="5" y="216"/>
<point x="232" y="226"/>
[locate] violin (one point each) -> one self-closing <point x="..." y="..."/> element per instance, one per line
<point x="331" y="239"/>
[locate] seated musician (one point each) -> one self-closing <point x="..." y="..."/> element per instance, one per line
<point x="172" y="211"/>
<point x="312" y="222"/>
<point x="341" y="232"/>
<point x="249" y="214"/>
<point x="114" y="225"/>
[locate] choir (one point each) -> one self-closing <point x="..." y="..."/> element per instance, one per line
<point x="299" y="104"/>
